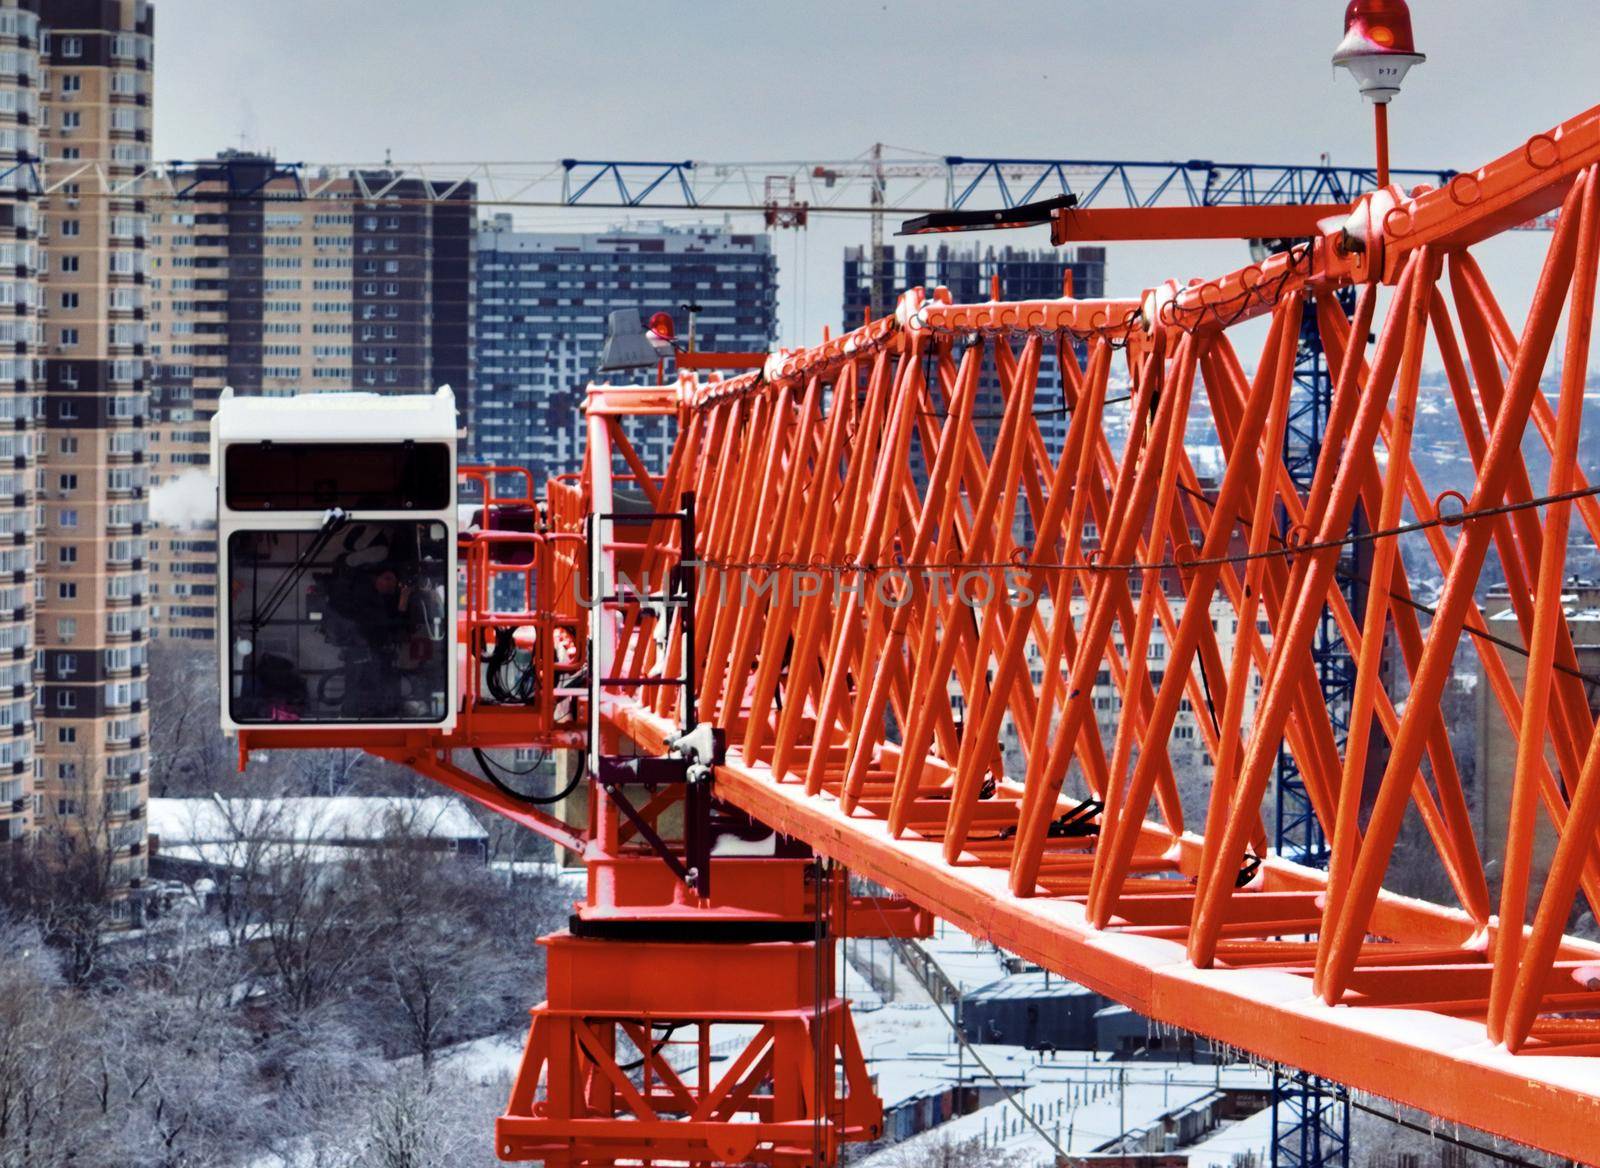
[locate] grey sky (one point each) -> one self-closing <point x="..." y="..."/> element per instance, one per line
<point x="1232" y="80"/>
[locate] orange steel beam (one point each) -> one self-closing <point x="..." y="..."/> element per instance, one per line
<point x="1437" y="1063"/>
<point x="691" y="362"/>
<point x="881" y="553"/>
<point x="1121" y="224"/>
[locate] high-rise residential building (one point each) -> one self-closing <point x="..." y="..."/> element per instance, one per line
<point x="90" y="591"/>
<point x="21" y="72"/>
<point x="544" y="300"/>
<point x="257" y="285"/>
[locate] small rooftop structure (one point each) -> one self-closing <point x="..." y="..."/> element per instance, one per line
<point x="1035" y="1010"/>
<point x="213" y="832"/>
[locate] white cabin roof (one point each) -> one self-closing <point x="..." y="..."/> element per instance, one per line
<point x="335" y="417"/>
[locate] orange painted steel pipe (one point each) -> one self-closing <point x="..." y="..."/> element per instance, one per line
<point x="1434" y="667"/>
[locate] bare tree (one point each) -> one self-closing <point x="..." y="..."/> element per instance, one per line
<point x="948" y="1152"/>
<point x="412" y="1123"/>
<point x="44" y="1093"/>
<point x="323" y="1071"/>
<point x="188" y="751"/>
<point x="252" y="831"/>
<point x="331" y="772"/>
<point x="442" y="974"/>
<point x="176" y="1060"/>
<point x="67" y="878"/>
<point x="317" y="924"/>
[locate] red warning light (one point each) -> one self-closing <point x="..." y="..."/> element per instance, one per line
<point x="661" y="325"/>
<point x="1385" y="26"/>
<point x="1378" y="46"/>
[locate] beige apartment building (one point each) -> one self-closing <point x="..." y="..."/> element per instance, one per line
<point x="75" y="94"/>
<point x="21" y="387"/>
<point x="272" y="282"/>
<point x="131" y="308"/>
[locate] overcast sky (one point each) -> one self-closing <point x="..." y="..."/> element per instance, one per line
<point x="1231" y="80"/>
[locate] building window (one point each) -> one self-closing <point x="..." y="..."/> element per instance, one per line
<point x="69" y="263"/>
<point x="70" y="47"/>
<point x="69" y="446"/>
<point x="66" y="629"/>
<point x="70" y="227"/>
<point x="67" y="554"/>
<point x="67" y="590"/>
<point x="71" y="120"/>
<point x="71" y="82"/>
<point x="69" y="300"/>
<point x="67" y="482"/>
<point x="66" y="735"/>
<point x="69" y="337"/>
<point x="67" y="770"/>
<point x="66" y="700"/>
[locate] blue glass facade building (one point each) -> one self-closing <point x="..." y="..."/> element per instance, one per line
<point x="543" y="300"/>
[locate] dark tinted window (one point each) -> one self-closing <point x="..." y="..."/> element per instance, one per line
<point x="348" y="627"/>
<point x="313" y="476"/>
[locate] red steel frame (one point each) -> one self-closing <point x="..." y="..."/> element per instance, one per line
<point x="859" y="461"/>
<point x="575" y="1102"/>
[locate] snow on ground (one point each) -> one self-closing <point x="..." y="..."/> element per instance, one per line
<point x="1253" y="1135"/>
<point x="968" y="962"/>
<point x="902" y="1031"/>
<point x="1081" y="1100"/>
<point x="486" y="1061"/>
<point x="853" y="984"/>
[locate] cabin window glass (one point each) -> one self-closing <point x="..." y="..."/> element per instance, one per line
<point x="338" y="625"/>
<point x="314" y="476"/>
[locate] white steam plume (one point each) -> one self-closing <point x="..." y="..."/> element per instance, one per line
<point x="185" y="501"/>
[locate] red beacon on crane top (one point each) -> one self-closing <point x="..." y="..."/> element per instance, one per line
<point x="1378" y="47"/>
<point x="661" y="325"/>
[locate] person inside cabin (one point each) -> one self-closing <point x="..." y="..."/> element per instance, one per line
<point x="280" y="690"/>
<point x="384" y="633"/>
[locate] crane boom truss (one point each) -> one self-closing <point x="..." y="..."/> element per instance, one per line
<point x="846" y="500"/>
<point x="909" y="184"/>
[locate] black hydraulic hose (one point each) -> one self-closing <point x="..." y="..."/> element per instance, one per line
<point x="492" y="773"/>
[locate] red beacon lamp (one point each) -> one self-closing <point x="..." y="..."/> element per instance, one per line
<point x="1379" y="50"/>
<point x="660" y="332"/>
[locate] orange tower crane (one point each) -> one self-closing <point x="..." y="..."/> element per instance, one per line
<point x="774" y="629"/>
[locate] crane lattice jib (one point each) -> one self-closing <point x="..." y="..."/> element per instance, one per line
<point x="905" y="629"/>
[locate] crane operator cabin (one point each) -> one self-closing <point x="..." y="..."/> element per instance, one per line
<point x="338" y="527"/>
